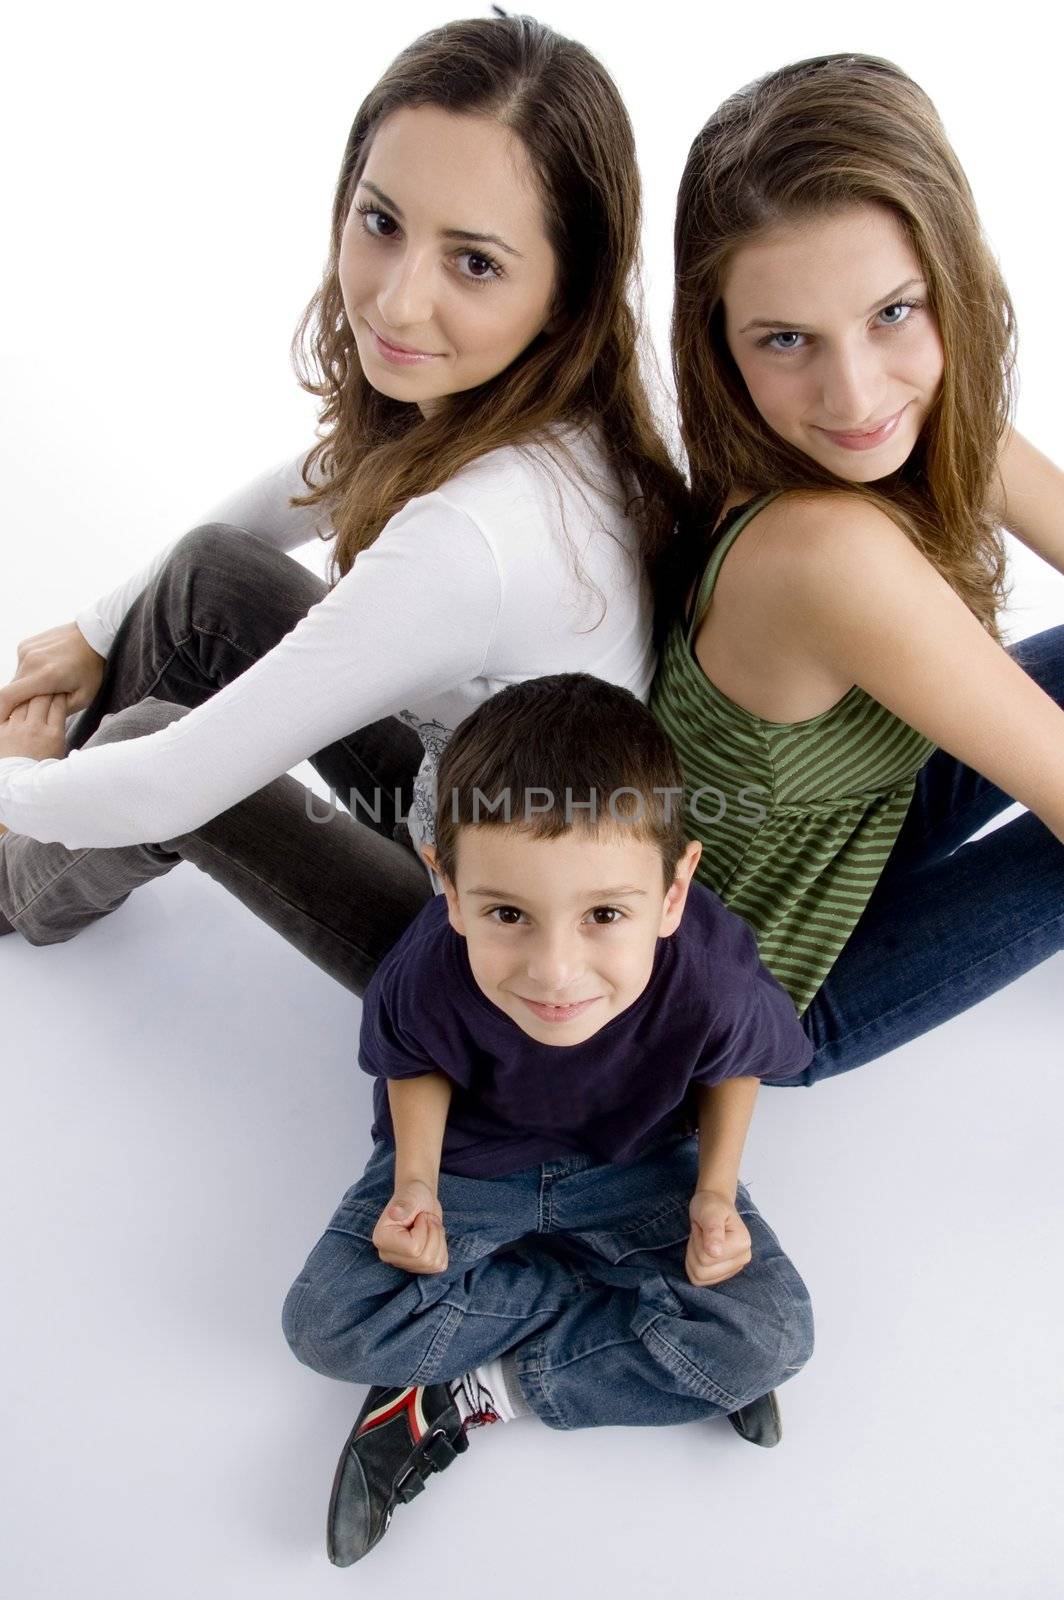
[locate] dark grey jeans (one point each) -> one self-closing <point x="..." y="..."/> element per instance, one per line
<point x="341" y="890"/>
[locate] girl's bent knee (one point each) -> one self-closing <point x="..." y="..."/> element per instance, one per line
<point x="207" y="544"/>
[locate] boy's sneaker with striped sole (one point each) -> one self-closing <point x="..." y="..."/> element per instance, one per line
<point x="401" y="1437"/>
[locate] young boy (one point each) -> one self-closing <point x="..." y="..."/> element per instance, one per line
<point x="551" y="1220"/>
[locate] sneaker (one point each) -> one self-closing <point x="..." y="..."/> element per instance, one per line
<point x="759" y="1421"/>
<point x="401" y="1437"/>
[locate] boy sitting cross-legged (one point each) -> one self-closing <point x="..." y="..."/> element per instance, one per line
<point x="567" y="1048"/>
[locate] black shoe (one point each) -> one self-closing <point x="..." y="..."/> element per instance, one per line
<point x="401" y="1437"/>
<point x="759" y="1421"/>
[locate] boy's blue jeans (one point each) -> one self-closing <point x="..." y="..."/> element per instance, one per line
<point x="574" y="1268"/>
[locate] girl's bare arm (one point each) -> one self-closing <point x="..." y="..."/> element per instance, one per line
<point x="1031" y="503"/>
<point x="875" y="612"/>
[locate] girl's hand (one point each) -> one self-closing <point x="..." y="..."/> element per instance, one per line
<point x="36" y="729"/>
<point x="719" y="1245"/>
<point x="58" y="662"/>
<point x="410" y="1231"/>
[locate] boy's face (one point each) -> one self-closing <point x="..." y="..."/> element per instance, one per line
<point x="561" y="933"/>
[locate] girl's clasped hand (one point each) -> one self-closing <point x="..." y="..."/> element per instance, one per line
<point x="58" y="661"/>
<point x="58" y="674"/>
<point x="36" y="728"/>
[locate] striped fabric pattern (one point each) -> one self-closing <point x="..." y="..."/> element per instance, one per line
<point x="796" y="820"/>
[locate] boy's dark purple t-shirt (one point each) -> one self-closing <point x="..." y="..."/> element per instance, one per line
<point x="710" y="1011"/>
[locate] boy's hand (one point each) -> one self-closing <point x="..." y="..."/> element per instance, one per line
<point x="36" y="728"/>
<point x="409" y="1233"/>
<point x="719" y="1245"/>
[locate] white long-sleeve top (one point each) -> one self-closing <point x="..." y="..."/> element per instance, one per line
<point x="487" y="581"/>
<point x="261" y="505"/>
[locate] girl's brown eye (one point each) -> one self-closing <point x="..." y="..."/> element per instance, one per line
<point x="380" y="224"/>
<point x="477" y="267"/>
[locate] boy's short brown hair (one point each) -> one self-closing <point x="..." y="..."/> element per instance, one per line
<point x="556" y="753"/>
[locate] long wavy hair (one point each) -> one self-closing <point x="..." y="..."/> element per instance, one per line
<point x="812" y="139"/>
<point x="375" y="453"/>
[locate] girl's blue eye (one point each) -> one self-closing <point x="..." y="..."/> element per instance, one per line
<point x="772" y="341"/>
<point x="786" y="334"/>
<point x="905" y="306"/>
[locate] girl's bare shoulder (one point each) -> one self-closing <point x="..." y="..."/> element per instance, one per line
<point x="808" y="536"/>
<point x="801" y="556"/>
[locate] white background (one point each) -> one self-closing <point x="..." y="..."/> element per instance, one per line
<point x="182" y="1108"/>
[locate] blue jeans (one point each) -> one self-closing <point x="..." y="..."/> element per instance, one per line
<point x="952" y="919"/>
<point x="576" y="1271"/>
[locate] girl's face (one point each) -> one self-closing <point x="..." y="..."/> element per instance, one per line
<point x="829" y="323"/>
<point x="445" y="267"/>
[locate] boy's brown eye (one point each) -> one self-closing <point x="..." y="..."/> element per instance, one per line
<point x="609" y="913"/>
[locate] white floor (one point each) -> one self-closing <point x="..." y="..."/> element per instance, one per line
<point x="183" y="1111"/>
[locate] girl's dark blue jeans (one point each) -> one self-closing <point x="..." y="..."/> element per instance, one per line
<point x="953" y="919"/>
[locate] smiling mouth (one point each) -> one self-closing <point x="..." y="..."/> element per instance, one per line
<point x="390" y="348"/>
<point x="557" y="1013"/>
<point x="864" y="437"/>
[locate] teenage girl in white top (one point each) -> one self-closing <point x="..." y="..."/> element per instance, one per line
<point x="496" y="488"/>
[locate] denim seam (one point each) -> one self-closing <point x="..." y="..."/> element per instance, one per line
<point x="545" y="1203"/>
<point x="178" y="644"/>
<point x="532" y="1371"/>
<point x="50" y="884"/>
<point x="917" y="999"/>
<point x="440" y="1343"/>
<point x="681" y="1366"/>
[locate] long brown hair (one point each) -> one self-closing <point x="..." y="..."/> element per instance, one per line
<point x="814" y="138"/>
<point x="375" y="453"/>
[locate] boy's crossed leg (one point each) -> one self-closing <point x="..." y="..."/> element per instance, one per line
<point x="572" y="1270"/>
<point x="573" y="1273"/>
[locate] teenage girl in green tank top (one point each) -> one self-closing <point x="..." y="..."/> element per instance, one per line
<point x="832" y="671"/>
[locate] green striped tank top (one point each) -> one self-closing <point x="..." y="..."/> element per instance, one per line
<point x="796" y="819"/>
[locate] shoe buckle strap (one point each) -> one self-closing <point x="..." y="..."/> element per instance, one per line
<point x="439" y="1452"/>
<point x="409" y="1485"/>
<point x="433" y="1455"/>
